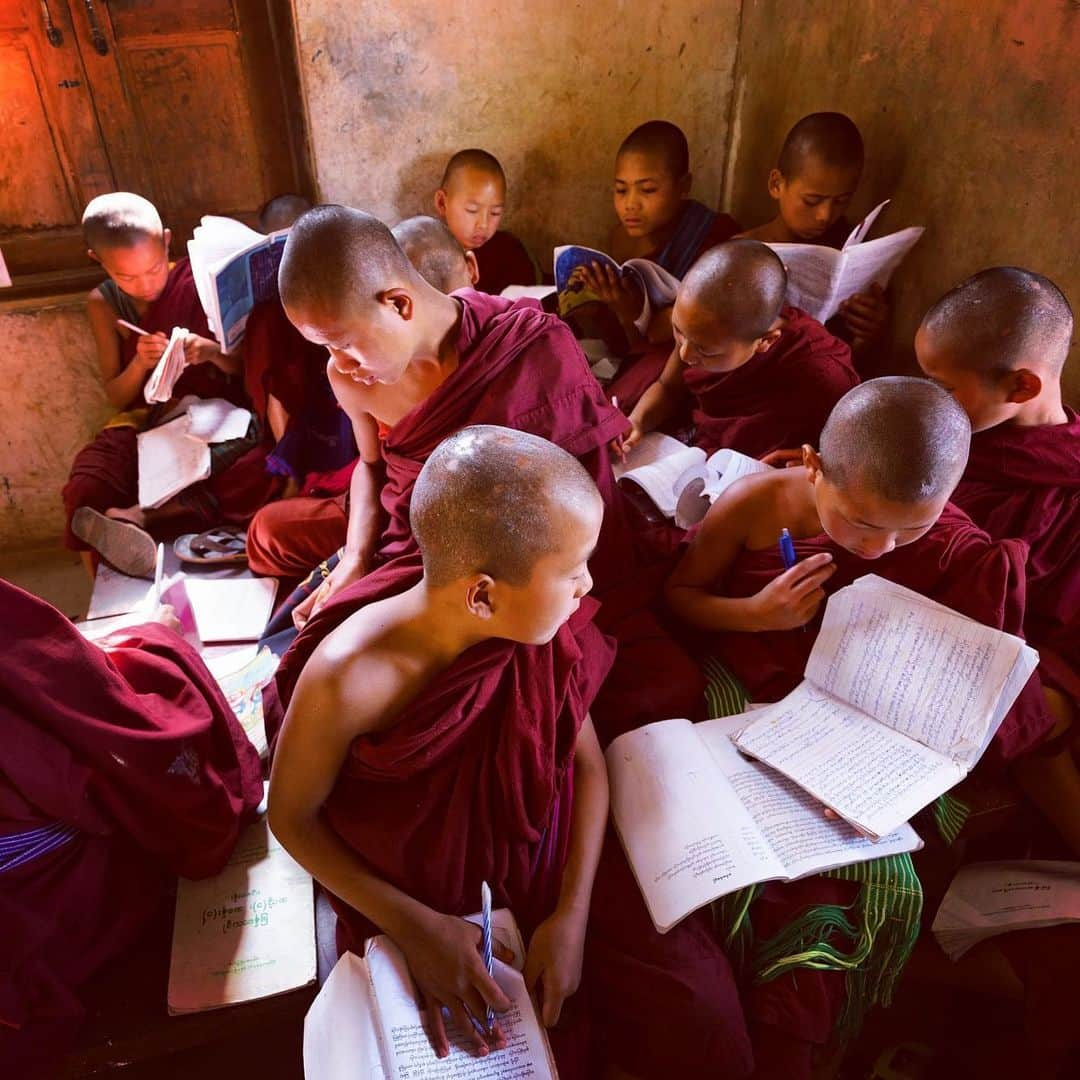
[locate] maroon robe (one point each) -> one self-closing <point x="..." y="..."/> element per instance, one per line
<point x="105" y="473"/>
<point x="1025" y="482"/>
<point x="474" y="782"/>
<point x="955" y="563"/>
<point x="778" y="399"/>
<point x="503" y="261"/>
<point x="135" y="751"/>
<point x="521" y="368"/>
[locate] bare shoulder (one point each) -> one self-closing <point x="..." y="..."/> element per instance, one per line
<point x="749" y="507"/>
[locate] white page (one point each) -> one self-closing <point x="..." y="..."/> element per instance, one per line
<point x="5" y="277"/>
<point x="170" y="460"/>
<point x="859" y="233"/>
<point x="247" y="933"/>
<point x="231" y="609"/>
<point x="340" y="1042"/>
<point x="216" y="420"/>
<point x="159" y="387"/>
<point x="687" y="836"/>
<point x="872" y="262"/>
<point x="656" y="464"/>
<point x="117" y="594"/>
<point x="653" y="447"/>
<point x="813" y="272"/>
<point x="869" y="774"/>
<point x="407" y="1049"/>
<point x="725" y="467"/>
<point x="913" y="664"/>
<point x="793" y="823"/>
<point x="529" y="292"/>
<point x="659" y="286"/>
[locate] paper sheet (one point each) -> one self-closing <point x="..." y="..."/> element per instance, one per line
<point x="656" y="464"/>
<point x="231" y="609"/>
<point x="170" y="460"/>
<point x="216" y="420"/>
<point x="159" y="387"/>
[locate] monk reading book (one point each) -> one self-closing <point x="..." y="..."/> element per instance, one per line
<point x="121" y="766"/>
<point x="754" y="375"/>
<point x="998" y="342"/>
<point x="472" y="201"/>
<point x="440" y="737"/>
<point x="125" y="234"/>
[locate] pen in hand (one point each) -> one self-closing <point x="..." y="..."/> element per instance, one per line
<point x="485" y="945"/>
<point x="788" y="556"/>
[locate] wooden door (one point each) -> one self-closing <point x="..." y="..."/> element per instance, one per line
<point x="194" y="104"/>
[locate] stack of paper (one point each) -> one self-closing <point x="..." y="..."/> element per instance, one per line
<point x="159" y="387"/>
<point x="986" y="899"/>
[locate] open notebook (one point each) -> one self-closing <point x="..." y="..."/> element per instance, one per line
<point x="902" y="695"/>
<point x="698" y="820"/>
<point x="365" y="1023"/>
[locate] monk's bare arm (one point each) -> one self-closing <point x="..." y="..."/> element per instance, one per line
<point x="362" y="537"/>
<point x="122" y="387"/>
<point x="661" y="401"/>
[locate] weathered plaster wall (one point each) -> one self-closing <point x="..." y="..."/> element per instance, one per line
<point x="53" y="403"/>
<point x="970" y="112"/>
<point x="394" y="87"/>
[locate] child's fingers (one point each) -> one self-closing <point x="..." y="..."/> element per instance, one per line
<point x="553" y="1003"/>
<point x="436" y="1028"/>
<point x="805" y="569"/>
<point x="469" y="1031"/>
<point x="487" y="992"/>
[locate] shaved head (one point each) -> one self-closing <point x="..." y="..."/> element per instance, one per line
<point x="335" y="254"/>
<point x="494" y="500"/>
<point x="1002" y="319"/>
<point x="473" y="158"/>
<point x="904" y="439"/>
<point x="282" y="211"/>
<point x="831" y="137"/>
<point x="432" y="248"/>
<point x="120" y="219"/>
<point x="661" y="139"/>
<point x="741" y="284"/>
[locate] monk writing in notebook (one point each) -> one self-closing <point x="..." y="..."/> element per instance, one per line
<point x="121" y="766"/>
<point x="754" y="374"/>
<point x="998" y="342"/>
<point x="440" y="737"/>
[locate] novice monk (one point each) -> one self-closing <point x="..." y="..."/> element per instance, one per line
<point x="998" y="343"/>
<point x="440" y="737"/>
<point x="471" y="200"/>
<point x="288" y="537"/>
<point x="125" y="234"/>
<point x="121" y="766"/>
<point x="758" y="376"/>
<point x="815" y="178"/>
<point x="281" y="211"/>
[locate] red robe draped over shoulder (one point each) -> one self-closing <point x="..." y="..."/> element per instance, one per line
<point x="474" y="782"/>
<point x="1025" y="482"/>
<point x="955" y="563"/>
<point x="132" y="752"/>
<point x="522" y="368"/>
<point x="778" y="399"/>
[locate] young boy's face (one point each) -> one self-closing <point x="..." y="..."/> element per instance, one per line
<point x="864" y="523"/>
<point x="534" y="612"/>
<point x="472" y="206"/>
<point x="140" y="269"/>
<point x="703" y="343"/>
<point x="811" y="201"/>
<point x="986" y="401"/>
<point x="648" y="197"/>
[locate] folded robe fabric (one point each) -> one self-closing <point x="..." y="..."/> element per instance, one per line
<point x="503" y="261"/>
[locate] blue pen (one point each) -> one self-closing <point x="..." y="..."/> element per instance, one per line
<point x="788" y="556"/>
<point x="485" y="943"/>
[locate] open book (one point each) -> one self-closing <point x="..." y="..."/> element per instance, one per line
<point x="159" y="387"/>
<point x="820" y="278"/>
<point x="657" y="285"/>
<point x="234" y="268"/>
<point x="365" y="1023"/>
<point x="902" y="695"/>
<point x="683" y="481"/>
<point x="698" y="820"/>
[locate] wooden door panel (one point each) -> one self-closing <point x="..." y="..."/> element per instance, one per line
<point x="137" y="18"/>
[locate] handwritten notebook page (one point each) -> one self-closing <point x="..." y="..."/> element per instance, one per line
<point x="656" y="464"/>
<point x="159" y="387"/>
<point x="247" y="933"/>
<point x="170" y="460"/>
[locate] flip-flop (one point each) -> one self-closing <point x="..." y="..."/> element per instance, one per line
<point x="221" y="545"/>
<point x="123" y="545"/>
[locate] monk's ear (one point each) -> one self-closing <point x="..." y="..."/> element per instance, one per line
<point x="399" y="300"/>
<point x="478" y="597"/>
<point x="776" y="180"/>
<point x="473" y="268"/>
<point x="166" y="239"/>
<point x="767" y="340"/>
<point x="440" y="203"/>
<point x="812" y="460"/>
<point x="94" y="256"/>
<point x="1023" y="385"/>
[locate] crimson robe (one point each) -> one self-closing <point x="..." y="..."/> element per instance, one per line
<point x="105" y="472"/>
<point x="474" y="782"/>
<point x="521" y="368"/>
<point x="778" y="399"/>
<point x="503" y="261"/>
<point x="135" y="753"/>
<point x="1025" y="482"/>
<point x="955" y="563"/>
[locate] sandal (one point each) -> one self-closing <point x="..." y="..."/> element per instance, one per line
<point x="220" y="545"/>
<point x="121" y="544"/>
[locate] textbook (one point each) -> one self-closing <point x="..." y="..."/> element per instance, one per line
<point x="901" y="697"/>
<point x="234" y="268"/>
<point x="366" y="1024"/>
<point x="657" y="285"/>
<point x="820" y="278"/>
<point x="991" y="898"/>
<point x="683" y="481"/>
<point x="159" y="387"/>
<point x="698" y="820"/>
<point x="247" y="933"/>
